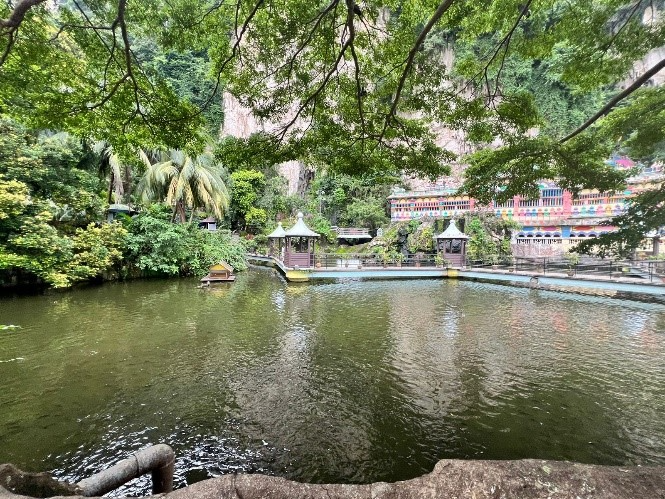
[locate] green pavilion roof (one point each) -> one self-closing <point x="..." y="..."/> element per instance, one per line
<point x="278" y="233"/>
<point x="300" y="229"/>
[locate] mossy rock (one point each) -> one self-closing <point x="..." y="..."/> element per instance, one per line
<point x="34" y="484"/>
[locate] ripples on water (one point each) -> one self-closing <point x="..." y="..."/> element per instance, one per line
<point x="351" y="381"/>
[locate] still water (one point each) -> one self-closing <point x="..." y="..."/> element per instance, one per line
<point x="334" y="382"/>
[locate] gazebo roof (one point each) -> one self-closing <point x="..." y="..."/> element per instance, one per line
<point x="452" y="232"/>
<point x="119" y="208"/>
<point x="278" y="233"/>
<point x="300" y="229"/>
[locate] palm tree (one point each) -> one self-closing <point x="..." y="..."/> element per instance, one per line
<point x="110" y="164"/>
<point x="182" y="182"/>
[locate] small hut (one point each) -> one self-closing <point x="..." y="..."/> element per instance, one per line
<point x="118" y="209"/>
<point x="299" y="245"/>
<point x="209" y="223"/>
<point x="220" y="272"/>
<point x="276" y="241"/>
<point x="451" y="245"/>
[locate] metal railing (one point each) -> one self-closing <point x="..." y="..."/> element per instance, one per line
<point x="652" y="271"/>
<point x="355" y="260"/>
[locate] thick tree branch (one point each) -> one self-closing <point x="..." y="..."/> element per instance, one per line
<point x="442" y="8"/>
<point x="618" y="98"/>
<point x="19" y="12"/>
<point x="9" y="26"/>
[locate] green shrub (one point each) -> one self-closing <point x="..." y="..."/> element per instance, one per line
<point x="157" y="246"/>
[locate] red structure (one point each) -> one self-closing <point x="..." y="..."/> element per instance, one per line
<point x="451" y="244"/>
<point x="554" y="214"/>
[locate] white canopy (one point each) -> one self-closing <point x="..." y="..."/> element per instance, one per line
<point x="452" y="232"/>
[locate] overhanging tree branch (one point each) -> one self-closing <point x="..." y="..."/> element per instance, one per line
<point x="613" y="102"/>
<point x="442" y="8"/>
<point x="19" y="12"/>
<point x="234" y="50"/>
<point x="334" y="68"/>
<point x="351" y="6"/>
<point x="506" y="41"/>
<point x="9" y="26"/>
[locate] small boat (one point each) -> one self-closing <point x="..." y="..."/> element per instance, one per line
<point x="220" y="272"/>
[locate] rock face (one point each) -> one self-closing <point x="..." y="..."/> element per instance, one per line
<point x="240" y="122"/>
<point x="651" y="14"/>
<point x="451" y="478"/>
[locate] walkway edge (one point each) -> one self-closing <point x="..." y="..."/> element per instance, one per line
<point x="644" y="292"/>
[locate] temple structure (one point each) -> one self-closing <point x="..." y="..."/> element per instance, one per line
<point x="555" y="214"/>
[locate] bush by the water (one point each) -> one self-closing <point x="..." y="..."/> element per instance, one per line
<point x="156" y="246"/>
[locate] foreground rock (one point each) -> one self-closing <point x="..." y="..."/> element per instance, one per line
<point x="32" y="484"/>
<point x="524" y="479"/>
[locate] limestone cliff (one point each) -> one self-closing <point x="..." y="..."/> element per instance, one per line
<point x="240" y="122"/>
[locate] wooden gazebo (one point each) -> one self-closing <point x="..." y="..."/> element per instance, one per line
<point x="299" y="245"/>
<point x="451" y="245"/>
<point x="276" y="241"/>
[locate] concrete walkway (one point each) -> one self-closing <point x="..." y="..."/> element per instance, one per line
<point x="625" y="288"/>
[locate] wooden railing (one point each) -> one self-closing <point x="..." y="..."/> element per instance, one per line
<point x="352" y="232"/>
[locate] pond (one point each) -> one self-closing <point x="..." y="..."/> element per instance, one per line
<point x="348" y="381"/>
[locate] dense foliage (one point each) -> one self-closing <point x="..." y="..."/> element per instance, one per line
<point x="489" y="237"/>
<point x="350" y="87"/>
<point x="52" y="204"/>
<point x="156" y="246"/>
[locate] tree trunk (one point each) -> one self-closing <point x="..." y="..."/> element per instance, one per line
<point x="180" y="206"/>
<point x="109" y="197"/>
<point x="127" y="185"/>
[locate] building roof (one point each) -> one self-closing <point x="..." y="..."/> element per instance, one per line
<point x="279" y="232"/>
<point x="119" y="208"/>
<point x="209" y="220"/>
<point x="300" y="229"/>
<point x="452" y="232"/>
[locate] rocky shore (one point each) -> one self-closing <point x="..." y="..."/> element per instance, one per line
<point x="524" y="479"/>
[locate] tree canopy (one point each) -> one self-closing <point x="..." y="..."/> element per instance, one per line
<point x="357" y="86"/>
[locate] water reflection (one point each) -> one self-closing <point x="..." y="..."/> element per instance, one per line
<point x="344" y="381"/>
